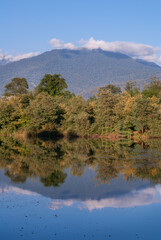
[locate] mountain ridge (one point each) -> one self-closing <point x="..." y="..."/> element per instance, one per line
<point x="83" y="69"/>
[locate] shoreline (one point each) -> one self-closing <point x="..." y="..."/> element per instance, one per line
<point x="49" y="135"/>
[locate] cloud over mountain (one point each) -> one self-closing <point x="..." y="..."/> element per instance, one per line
<point x="134" y="50"/>
<point x="56" y="43"/>
<point x="11" y="58"/>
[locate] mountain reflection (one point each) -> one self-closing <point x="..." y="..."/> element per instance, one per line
<point x="131" y="199"/>
<point x="49" y="160"/>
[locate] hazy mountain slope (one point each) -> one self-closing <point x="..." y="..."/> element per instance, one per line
<point x="3" y="62"/>
<point x="83" y="69"/>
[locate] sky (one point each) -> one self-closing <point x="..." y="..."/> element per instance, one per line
<point x="30" y="27"/>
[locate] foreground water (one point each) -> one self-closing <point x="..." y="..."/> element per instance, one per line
<point x="80" y="190"/>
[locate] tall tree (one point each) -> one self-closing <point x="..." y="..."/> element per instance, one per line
<point x="131" y="88"/>
<point x="153" y="88"/>
<point x="17" y="86"/>
<point x="105" y="118"/>
<point x="52" y="84"/>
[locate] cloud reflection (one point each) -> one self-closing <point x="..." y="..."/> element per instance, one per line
<point x="16" y="190"/>
<point x="134" y="198"/>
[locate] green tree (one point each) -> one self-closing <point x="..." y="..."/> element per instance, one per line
<point x="143" y="113"/>
<point x="52" y="84"/>
<point x="77" y="117"/>
<point x="44" y="110"/>
<point x="131" y="88"/>
<point x="112" y="88"/>
<point x="105" y="117"/>
<point x="6" y="111"/>
<point x="17" y="86"/>
<point x="153" y="88"/>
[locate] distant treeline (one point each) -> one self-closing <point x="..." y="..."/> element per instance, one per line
<point x="51" y="110"/>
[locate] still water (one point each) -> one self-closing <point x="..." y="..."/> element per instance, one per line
<point x="80" y="190"/>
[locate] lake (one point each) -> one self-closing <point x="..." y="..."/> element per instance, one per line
<point x="82" y="189"/>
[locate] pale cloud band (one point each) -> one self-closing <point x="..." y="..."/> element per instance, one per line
<point x="16" y="190"/>
<point x="132" y="199"/>
<point x="132" y="49"/>
<point x="10" y="58"/>
<point x="59" y="44"/>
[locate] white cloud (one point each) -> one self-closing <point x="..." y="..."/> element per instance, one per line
<point x="159" y="60"/>
<point x="56" y="43"/>
<point x="11" y="58"/>
<point x="26" y="55"/>
<point x="2" y="55"/>
<point x="132" y="49"/>
<point x="70" y="46"/>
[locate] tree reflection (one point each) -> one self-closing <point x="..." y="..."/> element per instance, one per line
<point x="49" y="160"/>
<point x="55" y="179"/>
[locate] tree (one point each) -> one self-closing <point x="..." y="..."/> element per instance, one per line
<point x="77" y="118"/>
<point x="131" y="88"/>
<point x="55" y="179"/>
<point x="17" y="86"/>
<point x="112" y="88"/>
<point x="153" y="88"/>
<point x="142" y="113"/>
<point x="44" y="110"/>
<point x="6" y="111"/>
<point x="105" y="117"/>
<point x="52" y="84"/>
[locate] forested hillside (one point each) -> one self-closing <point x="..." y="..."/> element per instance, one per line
<point x="83" y="69"/>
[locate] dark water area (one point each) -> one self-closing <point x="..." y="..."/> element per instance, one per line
<point x="80" y="189"/>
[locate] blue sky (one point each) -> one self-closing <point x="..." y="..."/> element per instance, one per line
<point x="27" y="26"/>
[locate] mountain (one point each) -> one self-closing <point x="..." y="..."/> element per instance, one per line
<point x="83" y="69"/>
<point x="3" y="62"/>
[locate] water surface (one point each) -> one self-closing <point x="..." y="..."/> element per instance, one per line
<point x="80" y="190"/>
